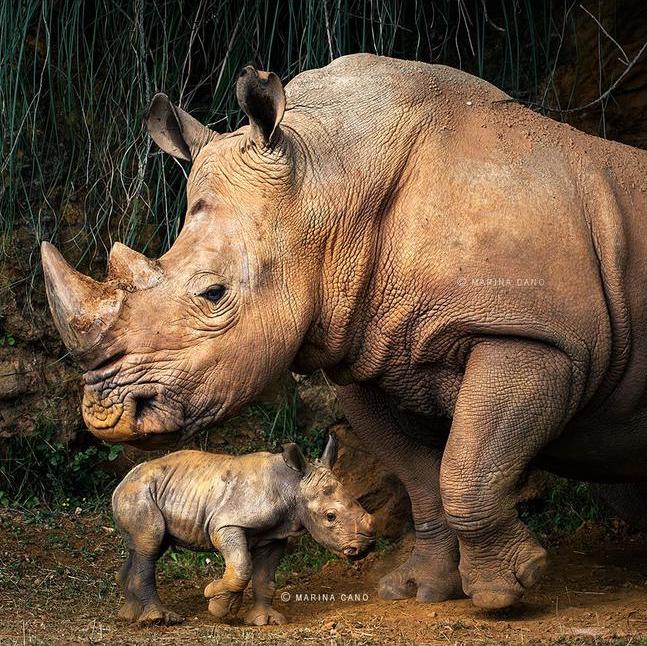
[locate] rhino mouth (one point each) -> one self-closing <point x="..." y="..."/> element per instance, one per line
<point x="135" y="416"/>
<point x="357" y="551"/>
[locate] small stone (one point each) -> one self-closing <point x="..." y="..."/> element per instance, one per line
<point x="468" y="103"/>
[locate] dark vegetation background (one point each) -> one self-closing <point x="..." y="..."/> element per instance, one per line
<point x="78" y="168"/>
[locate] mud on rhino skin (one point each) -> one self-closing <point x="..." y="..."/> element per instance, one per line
<point x="244" y="506"/>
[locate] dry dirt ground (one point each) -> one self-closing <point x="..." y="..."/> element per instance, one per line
<point x="57" y="587"/>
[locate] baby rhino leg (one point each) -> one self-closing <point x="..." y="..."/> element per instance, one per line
<point x="142" y="523"/>
<point x="265" y="560"/>
<point x="226" y="595"/>
<point x="131" y="610"/>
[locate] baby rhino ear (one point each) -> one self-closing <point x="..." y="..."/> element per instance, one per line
<point x="293" y="457"/>
<point x="261" y="97"/>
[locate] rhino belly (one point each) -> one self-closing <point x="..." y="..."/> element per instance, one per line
<point x="601" y="449"/>
<point x="186" y="523"/>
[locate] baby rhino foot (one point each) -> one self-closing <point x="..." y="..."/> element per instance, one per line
<point x="225" y="603"/>
<point x="422" y="577"/>
<point x="264" y="616"/>
<point x="130" y="611"/>
<point x="221" y="600"/>
<point x="155" y="614"/>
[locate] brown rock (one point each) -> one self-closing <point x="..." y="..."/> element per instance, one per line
<point x="15" y="378"/>
<point x="378" y="490"/>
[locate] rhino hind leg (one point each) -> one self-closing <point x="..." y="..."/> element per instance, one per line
<point x="144" y="528"/>
<point x="513" y="400"/>
<point x="141" y="585"/>
<point x="431" y="572"/>
<point x="131" y="610"/>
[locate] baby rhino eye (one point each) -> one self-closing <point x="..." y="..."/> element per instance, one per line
<point x="213" y="293"/>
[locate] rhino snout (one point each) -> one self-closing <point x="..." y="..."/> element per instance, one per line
<point x="357" y="551"/>
<point x="140" y="414"/>
<point x="364" y="539"/>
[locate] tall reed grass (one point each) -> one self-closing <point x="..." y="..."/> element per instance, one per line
<point x="76" y="77"/>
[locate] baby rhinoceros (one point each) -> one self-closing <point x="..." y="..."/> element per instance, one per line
<point x="243" y="506"/>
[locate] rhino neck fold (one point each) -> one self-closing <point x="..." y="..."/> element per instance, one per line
<point x="353" y="176"/>
<point x="351" y="250"/>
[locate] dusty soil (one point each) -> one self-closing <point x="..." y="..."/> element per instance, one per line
<point x="57" y="587"/>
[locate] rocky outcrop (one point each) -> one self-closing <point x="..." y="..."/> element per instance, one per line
<point x="38" y="386"/>
<point x="378" y="490"/>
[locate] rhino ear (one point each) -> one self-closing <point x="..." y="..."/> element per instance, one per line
<point x="293" y="457"/>
<point x="175" y="131"/>
<point x="262" y="98"/>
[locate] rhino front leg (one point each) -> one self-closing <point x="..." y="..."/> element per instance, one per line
<point x="431" y="571"/>
<point x="513" y="400"/>
<point x="226" y="595"/>
<point x="265" y="560"/>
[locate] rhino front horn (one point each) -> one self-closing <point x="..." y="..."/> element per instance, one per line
<point x="82" y="308"/>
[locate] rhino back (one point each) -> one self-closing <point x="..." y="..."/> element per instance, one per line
<point x="198" y="492"/>
<point x="490" y="219"/>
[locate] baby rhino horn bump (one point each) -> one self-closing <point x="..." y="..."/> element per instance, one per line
<point x="82" y="308"/>
<point x="329" y="456"/>
<point x="131" y="268"/>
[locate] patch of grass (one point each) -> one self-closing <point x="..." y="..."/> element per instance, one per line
<point x="186" y="565"/>
<point x="40" y="470"/>
<point x="274" y="424"/>
<point x="564" y="507"/>
<point x="304" y="556"/>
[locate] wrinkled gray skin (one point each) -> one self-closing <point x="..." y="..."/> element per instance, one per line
<point x="243" y="506"/>
<point x="470" y="274"/>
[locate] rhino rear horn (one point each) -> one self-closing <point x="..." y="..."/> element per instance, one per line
<point x="132" y="268"/>
<point x="82" y="308"/>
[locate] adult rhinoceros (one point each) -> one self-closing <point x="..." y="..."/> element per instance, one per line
<point x="470" y="274"/>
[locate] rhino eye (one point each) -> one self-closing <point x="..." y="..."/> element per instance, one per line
<point x="330" y="516"/>
<point x="213" y="293"/>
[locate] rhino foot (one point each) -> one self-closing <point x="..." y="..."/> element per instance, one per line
<point x="130" y="611"/>
<point x="156" y="614"/>
<point x="225" y="603"/>
<point x="423" y="577"/>
<point x="264" y="616"/>
<point x="501" y="580"/>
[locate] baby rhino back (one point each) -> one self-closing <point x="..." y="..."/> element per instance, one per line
<point x="183" y="497"/>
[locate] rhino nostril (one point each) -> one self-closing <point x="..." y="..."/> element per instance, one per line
<point x="143" y="405"/>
